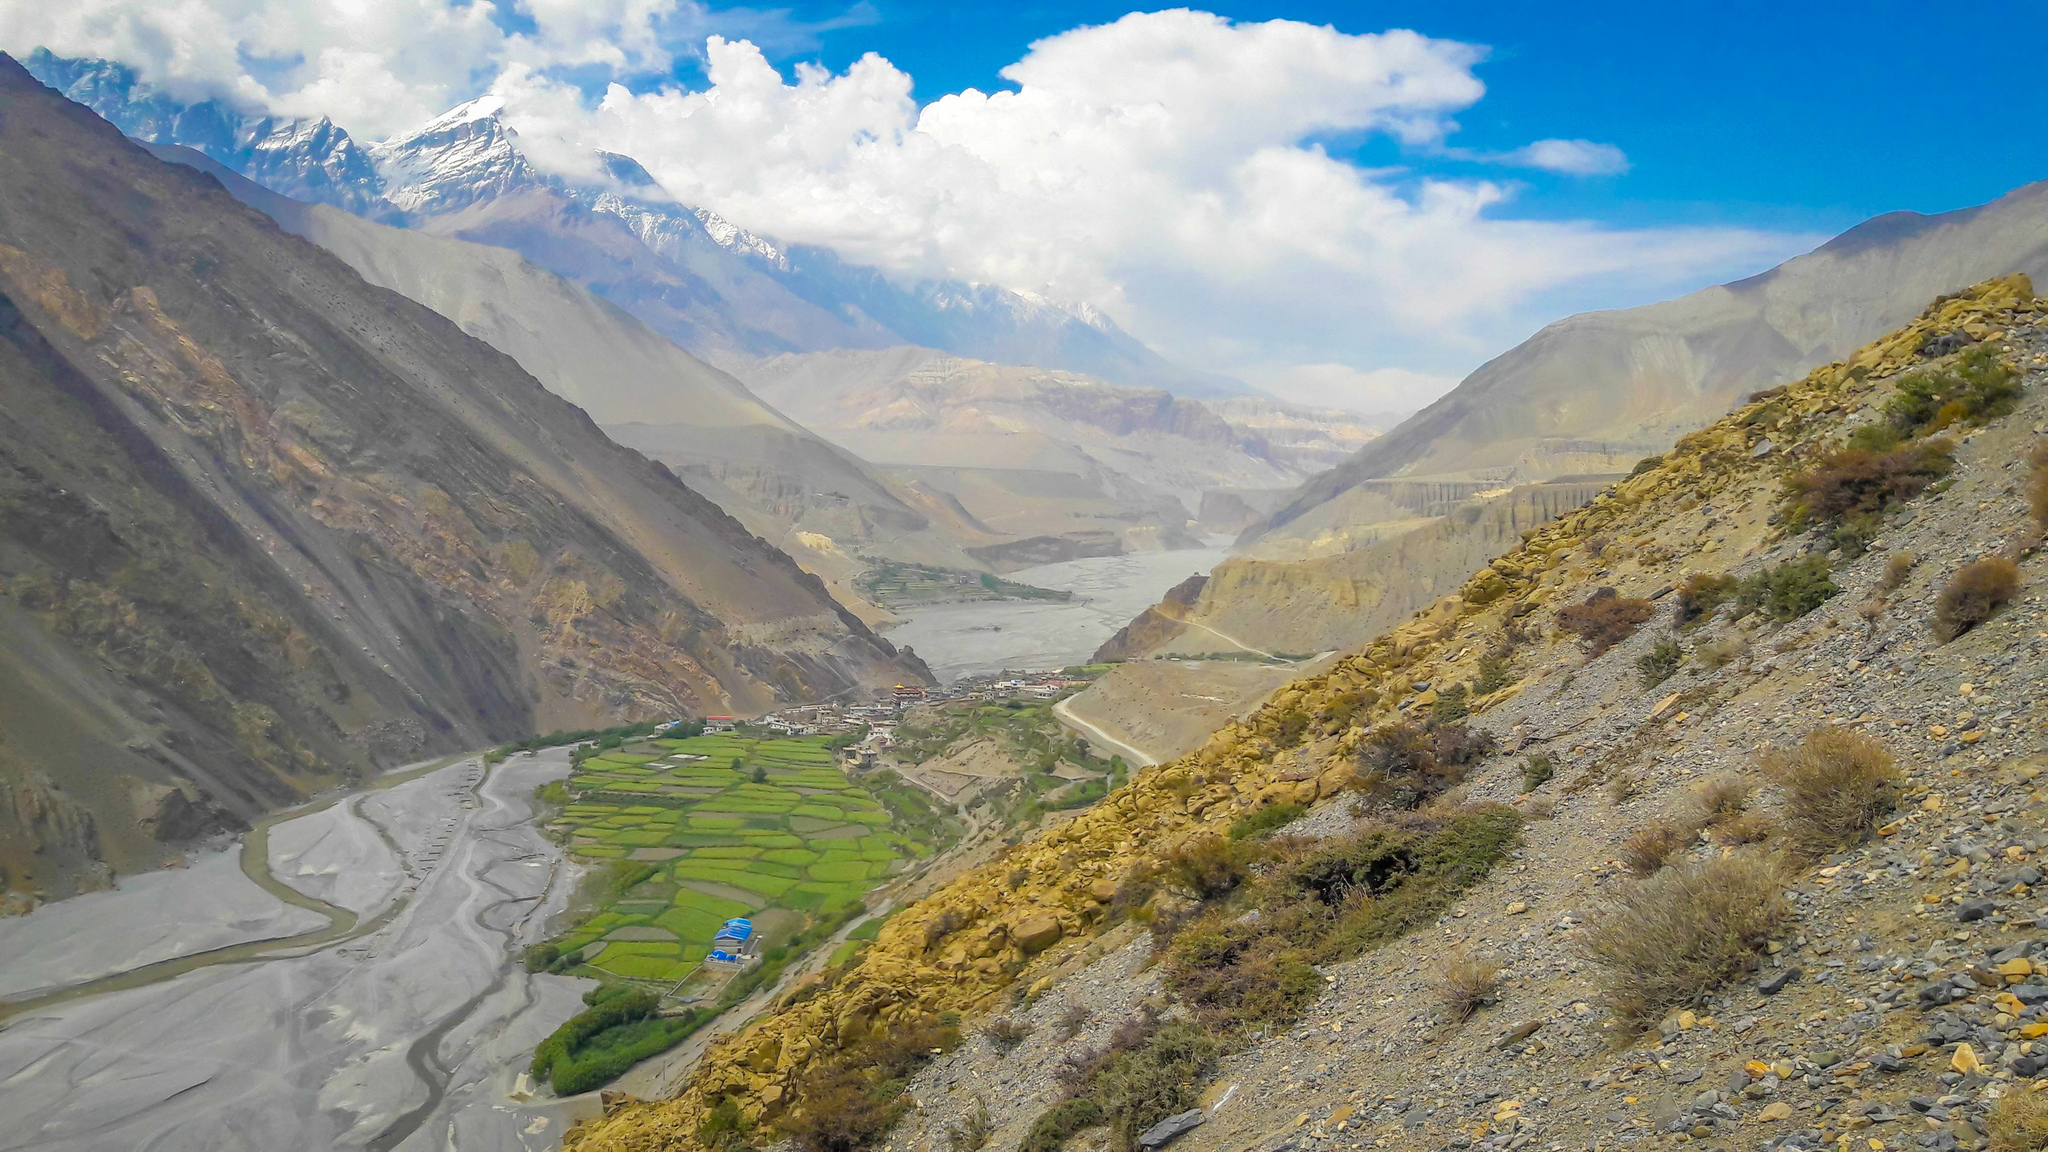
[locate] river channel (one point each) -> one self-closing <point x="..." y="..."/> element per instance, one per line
<point x="981" y="637"/>
<point x="379" y="1006"/>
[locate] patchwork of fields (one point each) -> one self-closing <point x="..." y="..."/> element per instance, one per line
<point x="731" y="826"/>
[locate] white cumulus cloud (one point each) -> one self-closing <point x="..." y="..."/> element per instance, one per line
<point x="1180" y="171"/>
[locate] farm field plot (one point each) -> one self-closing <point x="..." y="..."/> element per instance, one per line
<point x="724" y="825"/>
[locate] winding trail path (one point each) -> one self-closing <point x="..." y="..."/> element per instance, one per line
<point x="1096" y="731"/>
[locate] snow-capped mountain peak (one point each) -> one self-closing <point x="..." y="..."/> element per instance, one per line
<point x="464" y="155"/>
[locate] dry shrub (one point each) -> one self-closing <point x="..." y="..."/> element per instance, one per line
<point x="1006" y="1033"/>
<point x="1072" y="1019"/>
<point x="1723" y="795"/>
<point x="971" y="1132"/>
<point x="1673" y="938"/>
<point x="1466" y="984"/>
<point x="1209" y="866"/>
<point x="1857" y="482"/>
<point x="2019" y="1121"/>
<point x="1751" y="827"/>
<point x="1605" y="619"/>
<point x="1837" y="784"/>
<point x="1971" y="596"/>
<point x="1653" y="845"/>
<point x="1896" y="569"/>
<point x="1702" y="593"/>
<point x="1404" y="765"/>
<point x="1722" y="650"/>
<point x="1536" y="807"/>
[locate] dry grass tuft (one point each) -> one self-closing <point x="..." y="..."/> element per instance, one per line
<point x="2019" y="1121"/>
<point x="1624" y="785"/>
<point x="1896" y="569"/>
<point x="1653" y="845"/>
<point x="1722" y="651"/>
<point x="1674" y="938"/>
<point x="1837" y="784"/>
<point x="1751" y="827"/>
<point x="1973" y="594"/>
<point x="1723" y="795"/>
<point x="1466" y="984"/>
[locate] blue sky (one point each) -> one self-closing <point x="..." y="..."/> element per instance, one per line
<point x="1792" y="116"/>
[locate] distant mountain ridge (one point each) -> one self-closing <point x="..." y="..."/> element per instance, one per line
<point x="716" y="289"/>
<point x="1597" y="391"/>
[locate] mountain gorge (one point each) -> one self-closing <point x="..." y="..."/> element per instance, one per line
<point x="269" y="528"/>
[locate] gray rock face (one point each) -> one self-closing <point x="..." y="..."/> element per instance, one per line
<point x="1171" y="1128"/>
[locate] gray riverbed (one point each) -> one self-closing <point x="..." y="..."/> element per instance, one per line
<point x="412" y="1037"/>
<point x="970" y="639"/>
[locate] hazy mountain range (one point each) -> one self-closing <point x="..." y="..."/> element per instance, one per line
<point x="712" y="287"/>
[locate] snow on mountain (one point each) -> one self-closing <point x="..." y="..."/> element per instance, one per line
<point x="464" y="155"/>
<point x="310" y="160"/>
<point x="714" y="287"/>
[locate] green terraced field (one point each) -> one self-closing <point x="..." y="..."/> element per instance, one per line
<point x="803" y="838"/>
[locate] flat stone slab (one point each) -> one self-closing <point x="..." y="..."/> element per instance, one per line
<point x="1171" y="1128"/>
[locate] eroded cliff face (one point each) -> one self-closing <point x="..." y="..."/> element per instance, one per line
<point x="1711" y="502"/>
<point x="267" y="527"/>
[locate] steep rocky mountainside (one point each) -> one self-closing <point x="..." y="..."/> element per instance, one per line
<point x="1040" y="452"/>
<point x="712" y="287"/>
<point x="827" y="509"/>
<point x="267" y="527"/>
<point x="1598" y="391"/>
<point x="1899" y="992"/>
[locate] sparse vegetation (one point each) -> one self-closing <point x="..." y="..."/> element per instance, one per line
<point x="849" y="1100"/>
<point x="1604" y="619"/>
<point x="1979" y="387"/>
<point x="1496" y="671"/>
<point x="971" y="1132"/>
<point x="1149" y="1071"/>
<point x="1672" y="939"/>
<point x="1723" y="796"/>
<point x="1659" y="664"/>
<point x="1537" y="771"/>
<point x="1325" y="902"/>
<point x="1788" y="591"/>
<point x="1253" y="825"/>
<point x="1072" y="1019"/>
<point x="1897" y="567"/>
<point x="1451" y="705"/>
<point x="1702" y="593"/>
<point x="2019" y="1121"/>
<point x="1653" y="845"/>
<point x="1837" y="784"/>
<point x="1977" y="591"/>
<point x="1466" y="984"/>
<point x="1207" y="867"/>
<point x="1006" y="1033"/>
<point x="1402" y="765"/>
<point x="1854" y="486"/>
<point x="1721" y="651"/>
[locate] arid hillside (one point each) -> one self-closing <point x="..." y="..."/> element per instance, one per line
<point x="267" y="528"/>
<point x="1598" y="391"/>
<point x="1706" y="813"/>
